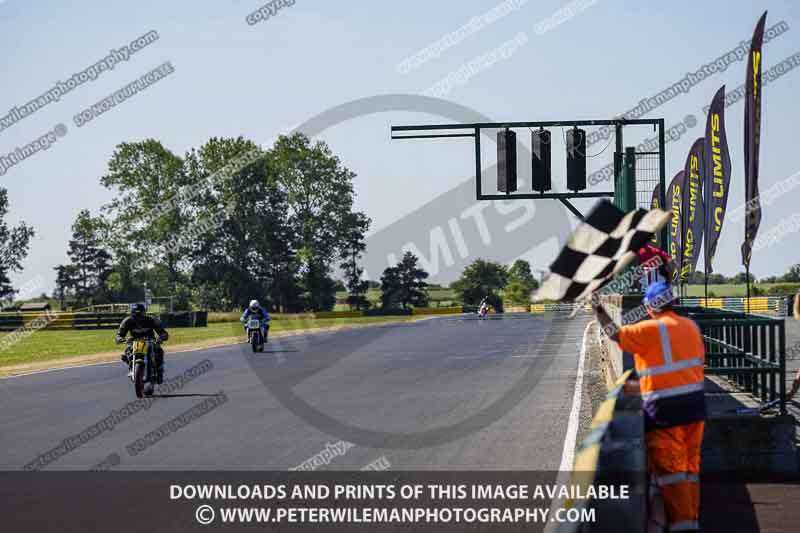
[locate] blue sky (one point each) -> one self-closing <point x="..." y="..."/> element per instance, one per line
<point x="231" y="78"/>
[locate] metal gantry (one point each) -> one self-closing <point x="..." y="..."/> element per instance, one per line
<point x="429" y="131"/>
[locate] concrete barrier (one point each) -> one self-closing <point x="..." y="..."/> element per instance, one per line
<point x="613" y="453"/>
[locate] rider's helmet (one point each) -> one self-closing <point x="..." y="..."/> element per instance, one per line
<point x="137" y="309"/>
<point x="254" y="305"/>
<point x="658" y="296"/>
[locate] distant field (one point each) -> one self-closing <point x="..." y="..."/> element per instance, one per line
<point x="439" y="298"/>
<point x="722" y="291"/>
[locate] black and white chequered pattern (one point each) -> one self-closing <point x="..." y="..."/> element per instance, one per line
<point x="600" y="247"/>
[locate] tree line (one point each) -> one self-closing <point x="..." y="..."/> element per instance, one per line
<point x="229" y="221"/>
<point x="214" y="233"/>
<point x="404" y="286"/>
<point x="698" y="278"/>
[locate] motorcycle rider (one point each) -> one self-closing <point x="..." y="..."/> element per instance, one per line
<point x="483" y="307"/>
<point x="140" y="325"/>
<point x="255" y="309"/>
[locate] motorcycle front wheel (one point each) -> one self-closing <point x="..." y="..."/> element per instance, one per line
<point x="138" y="378"/>
<point x="254" y="342"/>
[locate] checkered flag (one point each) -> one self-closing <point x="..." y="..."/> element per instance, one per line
<point x="600" y="247"/>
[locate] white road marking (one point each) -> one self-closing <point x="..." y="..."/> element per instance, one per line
<point x="568" y="454"/>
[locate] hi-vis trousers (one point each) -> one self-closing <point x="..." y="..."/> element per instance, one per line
<point x="674" y="457"/>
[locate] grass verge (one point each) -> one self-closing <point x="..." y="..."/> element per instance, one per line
<point x="62" y="348"/>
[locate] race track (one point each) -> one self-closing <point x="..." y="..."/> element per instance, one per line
<point x="444" y="393"/>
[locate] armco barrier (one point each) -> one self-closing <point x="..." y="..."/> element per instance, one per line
<point x="390" y="312"/>
<point x="757" y="304"/>
<point x="437" y="310"/>
<point x="338" y="314"/>
<point x="387" y="312"/>
<point x="558" y="307"/>
<point x="613" y="453"/>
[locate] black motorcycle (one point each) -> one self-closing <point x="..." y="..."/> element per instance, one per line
<point x="143" y="371"/>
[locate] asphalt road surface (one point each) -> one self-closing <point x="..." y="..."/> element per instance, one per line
<point x="444" y="393"/>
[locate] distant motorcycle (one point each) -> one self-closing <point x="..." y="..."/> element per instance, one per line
<point x="482" y="310"/>
<point x="142" y="365"/>
<point x="255" y="338"/>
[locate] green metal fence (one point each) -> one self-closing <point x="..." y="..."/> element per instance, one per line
<point x="748" y="350"/>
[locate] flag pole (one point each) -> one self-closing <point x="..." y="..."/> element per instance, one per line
<point x="706" y="200"/>
<point x="747" y="278"/>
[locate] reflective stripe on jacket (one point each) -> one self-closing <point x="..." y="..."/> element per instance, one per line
<point x="669" y="356"/>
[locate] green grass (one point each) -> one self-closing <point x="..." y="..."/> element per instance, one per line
<point x="721" y="291"/>
<point x="53" y="345"/>
<point x="438" y="298"/>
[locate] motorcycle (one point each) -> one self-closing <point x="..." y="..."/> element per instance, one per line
<point x="141" y="353"/>
<point x="254" y="334"/>
<point x="482" y="310"/>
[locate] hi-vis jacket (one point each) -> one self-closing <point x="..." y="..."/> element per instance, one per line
<point x="669" y="356"/>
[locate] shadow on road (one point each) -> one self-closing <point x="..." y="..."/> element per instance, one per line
<point x="727" y="507"/>
<point x="185" y="395"/>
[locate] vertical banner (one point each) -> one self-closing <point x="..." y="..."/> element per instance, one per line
<point x="655" y="203"/>
<point x="674" y="196"/>
<point x="717" y="175"/>
<point x="692" y="210"/>
<point x="752" y="140"/>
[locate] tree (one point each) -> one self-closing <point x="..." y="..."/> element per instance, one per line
<point x="412" y="282"/>
<point x="230" y="222"/>
<point x="793" y="276"/>
<point x="350" y="252"/>
<point x="390" y="288"/>
<point x="144" y="216"/>
<point x="65" y="281"/>
<point x="90" y="263"/>
<point x="479" y="280"/>
<point x="14" y="244"/>
<point x="521" y="283"/>
<point x="320" y="197"/>
<point x="404" y="284"/>
<point x="245" y="250"/>
<point x="717" y="279"/>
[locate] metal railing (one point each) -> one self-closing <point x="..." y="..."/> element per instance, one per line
<point x="748" y="350"/>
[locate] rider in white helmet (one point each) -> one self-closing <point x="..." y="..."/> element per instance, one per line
<point x="255" y="309"/>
